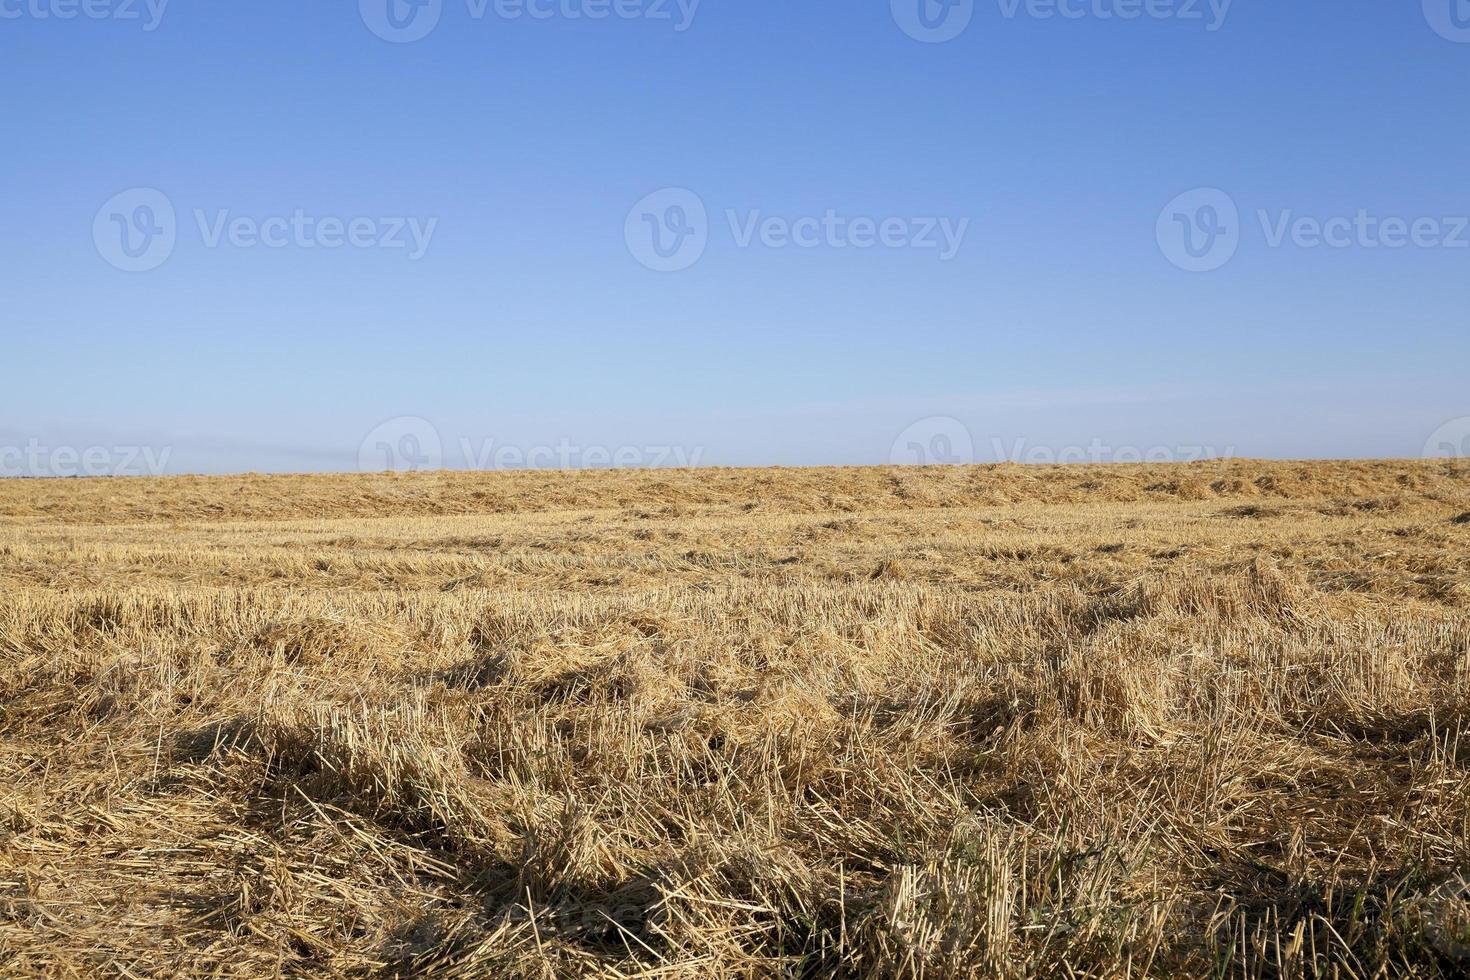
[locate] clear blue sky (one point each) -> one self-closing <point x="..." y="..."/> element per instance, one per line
<point x="528" y="320"/>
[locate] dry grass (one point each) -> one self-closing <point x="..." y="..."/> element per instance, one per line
<point x="1200" y="720"/>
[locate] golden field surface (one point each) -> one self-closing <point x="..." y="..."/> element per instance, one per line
<point x="1200" y="720"/>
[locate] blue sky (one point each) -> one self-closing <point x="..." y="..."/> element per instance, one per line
<point x="520" y="147"/>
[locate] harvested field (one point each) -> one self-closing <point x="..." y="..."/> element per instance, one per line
<point x="1198" y="720"/>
